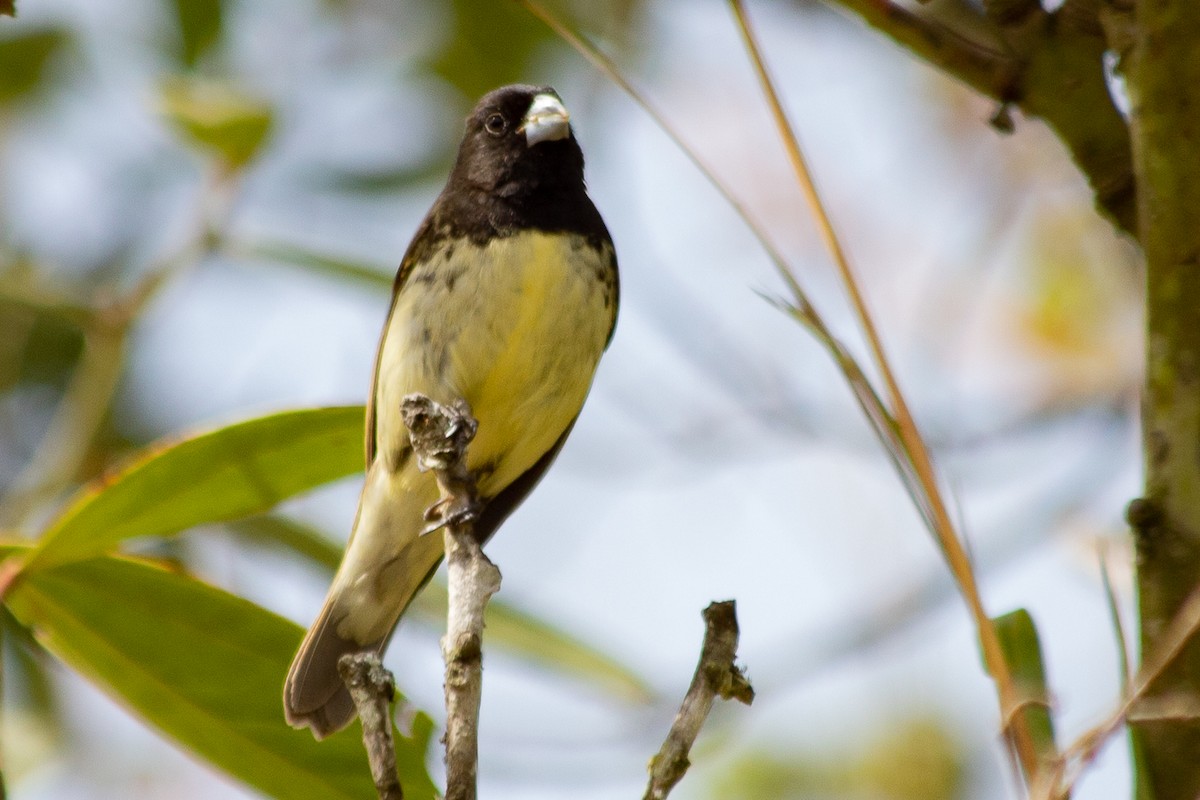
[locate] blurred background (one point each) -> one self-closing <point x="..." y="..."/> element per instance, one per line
<point x="155" y="280"/>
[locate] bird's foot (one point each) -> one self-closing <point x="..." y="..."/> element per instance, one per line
<point x="453" y="510"/>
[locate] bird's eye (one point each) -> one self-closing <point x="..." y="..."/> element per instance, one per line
<point x="495" y="124"/>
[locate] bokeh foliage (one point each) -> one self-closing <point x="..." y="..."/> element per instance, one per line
<point x="200" y="664"/>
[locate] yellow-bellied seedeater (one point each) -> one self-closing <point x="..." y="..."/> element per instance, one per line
<point x="506" y="298"/>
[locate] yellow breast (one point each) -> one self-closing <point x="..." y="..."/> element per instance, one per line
<point x="516" y="328"/>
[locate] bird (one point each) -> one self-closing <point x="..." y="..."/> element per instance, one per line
<point x="506" y="298"/>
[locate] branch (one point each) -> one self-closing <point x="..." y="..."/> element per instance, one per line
<point x="106" y="323"/>
<point x="983" y="68"/>
<point x="1134" y="709"/>
<point x="440" y="435"/>
<point x="716" y="674"/>
<point x="372" y="689"/>
<point x="916" y="463"/>
<point x="1050" y="65"/>
<point x="1163" y="75"/>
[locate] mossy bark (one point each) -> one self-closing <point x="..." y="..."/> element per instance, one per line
<point x="1163" y="73"/>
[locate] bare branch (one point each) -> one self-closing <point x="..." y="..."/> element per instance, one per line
<point x="1050" y="65"/>
<point x="982" y="65"/>
<point x="716" y="675"/>
<point x="372" y="688"/>
<point x="440" y="435"/>
<point x="1137" y="704"/>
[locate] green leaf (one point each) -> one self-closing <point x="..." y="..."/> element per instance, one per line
<point x="218" y="119"/>
<point x="207" y="669"/>
<point x="200" y="23"/>
<point x="476" y="59"/>
<point x="383" y="179"/>
<point x="921" y="758"/>
<point x="26" y="662"/>
<point x="231" y="472"/>
<point x="291" y="536"/>
<point x="509" y="629"/>
<point x="299" y="257"/>
<point x="23" y="60"/>
<point x="52" y="349"/>
<point x="540" y="644"/>
<point x="1023" y="653"/>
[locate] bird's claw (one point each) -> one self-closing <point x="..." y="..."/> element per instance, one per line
<point x="450" y="511"/>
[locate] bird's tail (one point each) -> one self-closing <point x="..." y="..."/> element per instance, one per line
<point x="386" y="564"/>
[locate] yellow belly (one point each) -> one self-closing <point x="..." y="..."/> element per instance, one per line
<point x="515" y="328"/>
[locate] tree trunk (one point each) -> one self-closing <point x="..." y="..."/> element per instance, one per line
<point x="1163" y="73"/>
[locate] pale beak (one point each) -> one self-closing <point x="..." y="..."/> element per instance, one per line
<point x="546" y="121"/>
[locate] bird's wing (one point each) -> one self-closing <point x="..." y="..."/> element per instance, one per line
<point x="420" y="247"/>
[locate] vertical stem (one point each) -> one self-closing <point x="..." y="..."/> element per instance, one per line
<point x="472" y="580"/>
<point x="372" y="688"/>
<point x="440" y="435"/>
<point x="918" y="456"/>
<point x="73" y="427"/>
<point x="1164" y="81"/>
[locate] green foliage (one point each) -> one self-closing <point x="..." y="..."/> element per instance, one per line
<point x="169" y="645"/>
<point x="23" y="664"/>
<point x="509" y="629"/>
<point x="383" y="180"/>
<point x="218" y="119"/>
<point x="540" y="644"/>
<point x="1023" y="652"/>
<point x="23" y="60"/>
<point x="917" y="759"/>
<point x="231" y="472"/>
<point x="199" y="664"/>
<point x="206" y="668"/>
<point x="48" y="347"/>
<point x="491" y="44"/>
<point x="200" y="26"/>
<point x="339" y="268"/>
<point x="294" y="537"/>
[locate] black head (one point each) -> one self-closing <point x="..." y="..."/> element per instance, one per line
<point x="518" y="145"/>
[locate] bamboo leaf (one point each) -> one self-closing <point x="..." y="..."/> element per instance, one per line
<point x="509" y="629"/>
<point x="299" y="257"/>
<point x="206" y="668"/>
<point x="231" y="472"/>
<point x="287" y="534"/>
<point x="23" y="59"/>
<point x="536" y="642"/>
<point x="474" y="59"/>
<point x="217" y="119"/>
<point x="1023" y="652"/>
<point x="200" y="25"/>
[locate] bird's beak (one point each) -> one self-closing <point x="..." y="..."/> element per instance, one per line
<point x="546" y="120"/>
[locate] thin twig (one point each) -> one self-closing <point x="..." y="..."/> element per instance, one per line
<point x="372" y="688"/>
<point x="106" y="322"/>
<point x="1114" y="612"/>
<point x="440" y="435"/>
<point x="1027" y="64"/>
<point x="1083" y="751"/>
<point x="985" y="68"/>
<point x="610" y="69"/>
<point x="799" y="307"/>
<point x="910" y="436"/>
<point x="716" y="676"/>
